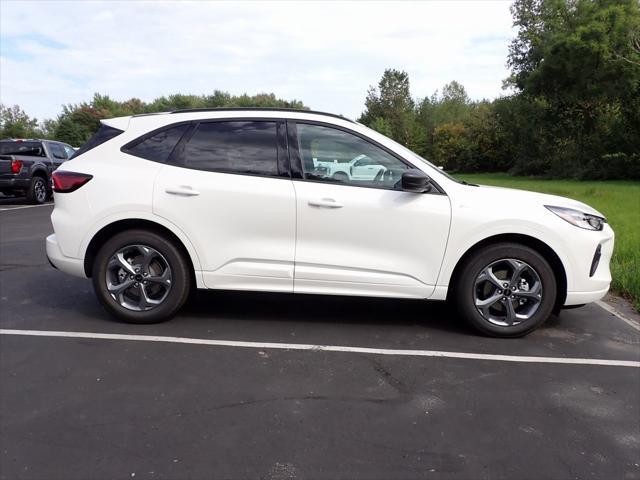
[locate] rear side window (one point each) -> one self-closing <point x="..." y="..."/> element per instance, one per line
<point x="158" y="146"/>
<point x="248" y="147"/>
<point x="30" y="149"/>
<point x="104" y="134"/>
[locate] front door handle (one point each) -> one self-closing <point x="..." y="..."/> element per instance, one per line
<point x="325" y="203"/>
<point x="183" y="191"/>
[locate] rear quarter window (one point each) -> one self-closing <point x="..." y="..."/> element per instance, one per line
<point x="104" y="134"/>
<point x="157" y="146"/>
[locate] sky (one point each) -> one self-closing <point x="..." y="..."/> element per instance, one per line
<point x="326" y="54"/>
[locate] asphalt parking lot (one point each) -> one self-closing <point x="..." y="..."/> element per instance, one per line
<point x="136" y="404"/>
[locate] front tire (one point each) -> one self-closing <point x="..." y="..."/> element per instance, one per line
<point x="141" y="277"/>
<point x="506" y="290"/>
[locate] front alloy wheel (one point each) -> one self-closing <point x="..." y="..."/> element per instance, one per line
<point x="508" y="292"/>
<point x="505" y="289"/>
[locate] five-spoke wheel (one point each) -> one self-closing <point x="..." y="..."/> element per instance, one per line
<point x="505" y="289"/>
<point x="141" y="276"/>
<point x="138" y="277"/>
<point x="508" y="291"/>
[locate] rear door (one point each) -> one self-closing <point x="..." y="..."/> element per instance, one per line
<point x="227" y="187"/>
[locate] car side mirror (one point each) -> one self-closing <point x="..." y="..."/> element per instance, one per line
<point x="416" y="181"/>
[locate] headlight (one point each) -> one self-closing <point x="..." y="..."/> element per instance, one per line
<point x="578" y="218"/>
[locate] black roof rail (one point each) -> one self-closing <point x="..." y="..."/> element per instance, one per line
<point x="263" y="109"/>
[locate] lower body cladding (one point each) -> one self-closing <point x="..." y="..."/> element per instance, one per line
<point x="593" y="276"/>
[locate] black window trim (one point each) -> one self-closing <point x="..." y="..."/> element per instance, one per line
<point x="283" y="161"/>
<point x="296" y="159"/>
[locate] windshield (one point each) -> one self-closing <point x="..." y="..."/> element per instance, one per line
<point x="373" y="133"/>
<point x="31" y="149"/>
<point x="448" y="175"/>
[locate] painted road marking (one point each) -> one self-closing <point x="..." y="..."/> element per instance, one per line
<point x="25" y="206"/>
<point x="323" y="348"/>
<point x="613" y="311"/>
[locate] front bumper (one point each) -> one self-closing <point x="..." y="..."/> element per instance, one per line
<point x="72" y="266"/>
<point x="587" y="285"/>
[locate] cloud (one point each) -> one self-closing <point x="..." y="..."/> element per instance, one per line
<point x="325" y="54"/>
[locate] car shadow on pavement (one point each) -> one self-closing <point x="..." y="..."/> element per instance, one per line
<point x="283" y="307"/>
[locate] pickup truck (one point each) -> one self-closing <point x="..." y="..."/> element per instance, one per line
<point x="358" y="168"/>
<point x="26" y="166"/>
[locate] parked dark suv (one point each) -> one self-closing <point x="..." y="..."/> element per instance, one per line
<point x="26" y="166"/>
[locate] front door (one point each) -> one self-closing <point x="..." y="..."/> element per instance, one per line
<point x="360" y="236"/>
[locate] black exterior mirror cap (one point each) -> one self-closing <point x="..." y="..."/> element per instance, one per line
<point x="415" y="181"/>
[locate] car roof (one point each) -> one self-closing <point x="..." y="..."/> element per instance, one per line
<point x="249" y="110"/>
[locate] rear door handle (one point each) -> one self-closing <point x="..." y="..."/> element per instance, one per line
<point x="325" y="203"/>
<point x="183" y="191"/>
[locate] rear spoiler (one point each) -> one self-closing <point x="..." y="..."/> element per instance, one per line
<point x="121" y="123"/>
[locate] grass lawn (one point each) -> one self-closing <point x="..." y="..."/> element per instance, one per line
<point x="619" y="201"/>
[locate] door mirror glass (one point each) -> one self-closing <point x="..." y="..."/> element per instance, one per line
<point x="416" y="181"/>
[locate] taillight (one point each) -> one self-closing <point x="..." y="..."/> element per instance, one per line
<point x="16" y="166"/>
<point x="65" y="182"/>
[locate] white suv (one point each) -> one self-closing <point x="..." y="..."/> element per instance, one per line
<point x="154" y="205"/>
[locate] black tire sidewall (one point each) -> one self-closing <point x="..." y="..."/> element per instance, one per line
<point x="181" y="276"/>
<point x="465" y="295"/>
<point x="31" y="193"/>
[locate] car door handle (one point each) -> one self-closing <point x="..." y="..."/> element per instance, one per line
<point x="325" y="203"/>
<point x="183" y="191"/>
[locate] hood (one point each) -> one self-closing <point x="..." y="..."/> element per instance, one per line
<point x="535" y="198"/>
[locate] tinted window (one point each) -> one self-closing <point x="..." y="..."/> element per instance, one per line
<point x="32" y="149"/>
<point x="159" y="146"/>
<point x="104" y="134"/>
<point x="336" y="156"/>
<point x="238" y="147"/>
<point x="70" y="150"/>
<point x="57" y="150"/>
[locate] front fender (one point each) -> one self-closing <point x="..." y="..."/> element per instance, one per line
<point x="462" y="239"/>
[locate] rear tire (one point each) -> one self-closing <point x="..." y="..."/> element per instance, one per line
<point x="505" y="290"/>
<point x="141" y="277"/>
<point x="37" y="192"/>
<point x="341" y="177"/>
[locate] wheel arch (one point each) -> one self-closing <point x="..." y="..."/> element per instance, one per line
<point x="40" y="171"/>
<point x="113" y="228"/>
<point x="538" y="245"/>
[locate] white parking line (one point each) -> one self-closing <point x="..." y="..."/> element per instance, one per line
<point x="323" y="348"/>
<point x="25" y="206"/>
<point x="617" y="313"/>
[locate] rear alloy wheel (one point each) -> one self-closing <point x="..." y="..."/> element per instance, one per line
<point x="38" y="191"/>
<point x="141" y="277"/>
<point x="506" y="290"/>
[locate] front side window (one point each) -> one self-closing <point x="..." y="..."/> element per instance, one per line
<point x="247" y="147"/>
<point x="333" y="155"/>
<point x="70" y="150"/>
<point x="57" y="151"/>
<point x="158" y="146"/>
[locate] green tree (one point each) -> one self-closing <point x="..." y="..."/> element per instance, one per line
<point x="580" y="60"/>
<point x="390" y="105"/>
<point x="15" y="123"/>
